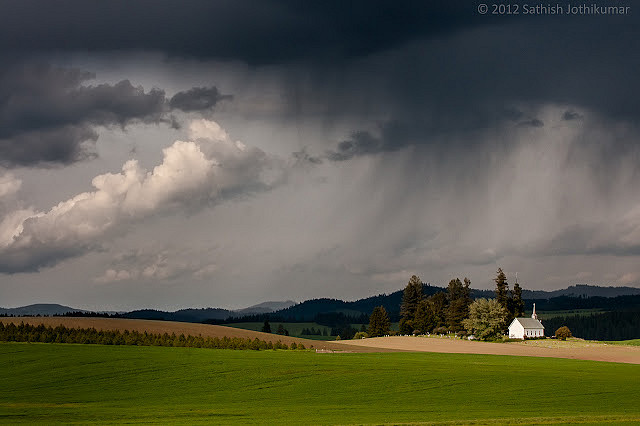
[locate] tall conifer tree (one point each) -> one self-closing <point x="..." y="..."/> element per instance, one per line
<point x="379" y="323"/>
<point x="502" y="288"/>
<point x="410" y="300"/>
<point x="518" y="303"/>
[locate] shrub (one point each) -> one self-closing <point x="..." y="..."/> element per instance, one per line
<point x="361" y="335"/>
<point x="563" y="332"/>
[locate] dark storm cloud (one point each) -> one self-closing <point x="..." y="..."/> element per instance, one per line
<point x="254" y="32"/>
<point x="197" y="99"/>
<point x="48" y="115"/>
<point x="303" y="157"/>
<point x="534" y="122"/>
<point x="571" y="115"/>
<point x="393" y="136"/>
<point x="460" y="122"/>
<point x="486" y="78"/>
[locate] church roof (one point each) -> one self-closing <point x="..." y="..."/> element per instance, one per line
<point x="530" y="323"/>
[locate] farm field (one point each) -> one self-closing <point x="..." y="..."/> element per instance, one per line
<point x="634" y="342"/>
<point x="67" y="383"/>
<point x="572" y="348"/>
<point x="625" y="351"/>
<point x="294" y="328"/>
<point x="160" y="327"/>
<point x="580" y="312"/>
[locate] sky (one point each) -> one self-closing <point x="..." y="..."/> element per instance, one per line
<point x="167" y="154"/>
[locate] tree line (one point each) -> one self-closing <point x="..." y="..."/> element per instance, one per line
<point x="453" y="310"/>
<point x="61" y="334"/>
<point x="616" y="325"/>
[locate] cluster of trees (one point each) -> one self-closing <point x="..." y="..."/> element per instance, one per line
<point x="440" y="312"/>
<point x="616" y="325"/>
<point x="490" y="318"/>
<point x="266" y="328"/>
<point x="510" y="300"/>
<point x="87" y="314"/>
<point x="313" y="332"/>
<point x="60" y="334"/>
<point x="454" y="311"/>
<point x="566" y="303"/>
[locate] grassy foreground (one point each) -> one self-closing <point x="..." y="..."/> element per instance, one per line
<point x="92" y="383"/>
<point x="634" y="342"/>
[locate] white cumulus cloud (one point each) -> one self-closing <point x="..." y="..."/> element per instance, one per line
<point x="202" y="171"/>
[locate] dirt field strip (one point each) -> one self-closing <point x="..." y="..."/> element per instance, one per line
<point x="160" y="327"/>
<point x="594" y="351"/>
<point x="553" y="349"/>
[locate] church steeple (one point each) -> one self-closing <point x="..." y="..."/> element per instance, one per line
<point x="534" y="315"/>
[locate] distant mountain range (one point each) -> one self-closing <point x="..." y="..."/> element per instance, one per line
<point x="582" y="290"/>
<point x="186" y="315"/>
<point x="39" y="309"/>
<point x="574" y="297"/>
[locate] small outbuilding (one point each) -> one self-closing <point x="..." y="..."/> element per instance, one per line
<point x="526" y="328"/>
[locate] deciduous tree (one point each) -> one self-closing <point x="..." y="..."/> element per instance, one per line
<point x="486" y="319"/>
<point x="563" y="332"/>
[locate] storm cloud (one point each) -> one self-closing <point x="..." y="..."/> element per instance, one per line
<point x="414" y="137"/>
<point x="263" y="32"/>
<point x="49" y="115"/>
<point x="197" y="99"/>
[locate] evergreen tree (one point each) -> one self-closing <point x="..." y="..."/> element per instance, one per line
<point x="410" y="300"/>
<point x="502" y="288"/>
<point x="425" y="318"/>
<point x="266" y="327"/>
<point x="439" y="305"/>
<point x="457" y="307"/>
<point x="467" y="292"/>
<point x="280" y="329"/>
<point x="379" y="323"/>
<point x="518" y="303"/>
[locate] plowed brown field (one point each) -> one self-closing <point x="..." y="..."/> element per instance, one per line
<point x="554" y="349"/>
<point x="160" y="327"/>
<point x="569" y="349"/>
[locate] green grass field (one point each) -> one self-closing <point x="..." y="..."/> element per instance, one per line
<point x="634" y="342"/>
<point x="51" y="383"/>
<point x="571" y="312"/>
<point x="294" y="328"/>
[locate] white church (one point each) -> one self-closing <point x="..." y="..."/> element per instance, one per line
<point x="526" y="328"/>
